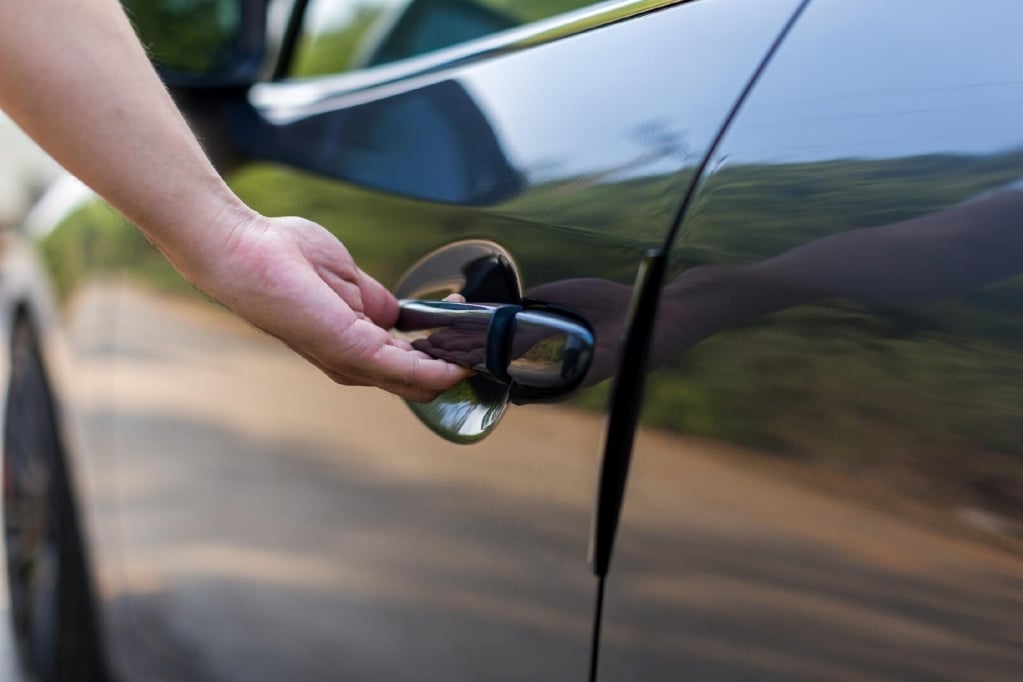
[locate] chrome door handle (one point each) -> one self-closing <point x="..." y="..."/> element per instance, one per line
<point x="522" y="351"/>
<point x="541" y="352"/>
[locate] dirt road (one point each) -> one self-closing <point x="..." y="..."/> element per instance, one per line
<point x="257" y="523"/>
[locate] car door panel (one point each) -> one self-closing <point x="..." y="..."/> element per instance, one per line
<point x="276" y="526"/>
<point x="827" y="483"/>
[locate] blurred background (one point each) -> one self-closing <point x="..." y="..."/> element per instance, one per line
<point x="25" y="172"/>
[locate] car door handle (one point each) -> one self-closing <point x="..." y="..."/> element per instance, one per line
<point x="540" y="351"/>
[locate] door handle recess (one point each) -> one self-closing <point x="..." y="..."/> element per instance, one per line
<point x="522" y="351"/>
<point x="539" y="351"/>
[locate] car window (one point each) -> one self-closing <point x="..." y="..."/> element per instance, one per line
<point x="343" y="35"/>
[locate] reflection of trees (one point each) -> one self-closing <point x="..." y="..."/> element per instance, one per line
<point x="897" y="352"/>
<point x="334" y="50"/>
<point x="929" y="387"/>
<point x="186" y="35"/>
<point x="764" y="210"/>
<point x="863" y="313"/>
<point x="94" y="239"/>
<point x="892" y="346"/>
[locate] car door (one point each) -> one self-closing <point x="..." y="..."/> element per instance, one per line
<point x="827" y="483"/>
<point x="276" y="526"/>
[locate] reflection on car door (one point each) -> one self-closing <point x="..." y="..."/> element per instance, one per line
<point x="828" y="484"/>
<point x="287" y="528"/>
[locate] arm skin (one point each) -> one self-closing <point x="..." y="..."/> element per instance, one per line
<point x="76" y="79"/>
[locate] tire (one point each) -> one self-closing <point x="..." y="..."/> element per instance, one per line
<point x="51" y="604"/>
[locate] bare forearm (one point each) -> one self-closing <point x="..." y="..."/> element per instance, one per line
<point x="77" y="80"/>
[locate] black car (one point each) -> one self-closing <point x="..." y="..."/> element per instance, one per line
<point x="742" y="295"/>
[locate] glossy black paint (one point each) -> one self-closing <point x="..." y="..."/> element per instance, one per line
<point x="825" y="483"/>
<point x="828" y="483"/>
<point x="429" y="134"/>
<point x="350" y="530"/>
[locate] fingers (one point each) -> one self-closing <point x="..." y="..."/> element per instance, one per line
<point x="402" y="371"/>
<point x="296" y="281"/>
<point x="397" y="367"/>
<point x="413" y="375"/>
<point x="368" y="356"/>
<point x="378" y="303"/>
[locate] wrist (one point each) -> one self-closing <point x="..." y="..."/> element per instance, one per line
<point x="199" y="238"/>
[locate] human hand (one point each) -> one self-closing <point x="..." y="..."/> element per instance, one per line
<point x="287" y="276"/>
<point x="293" y="279"/>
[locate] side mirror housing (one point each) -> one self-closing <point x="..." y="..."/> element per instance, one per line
<point x="203" y="43"/>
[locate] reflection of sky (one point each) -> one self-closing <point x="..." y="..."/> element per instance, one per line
<point x="677" y="73"/>
<point x="881" y="79"/>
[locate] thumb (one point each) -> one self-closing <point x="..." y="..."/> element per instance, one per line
<point x="378" y="304"/>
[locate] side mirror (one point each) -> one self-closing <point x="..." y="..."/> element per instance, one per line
<point x="202" y="43"/>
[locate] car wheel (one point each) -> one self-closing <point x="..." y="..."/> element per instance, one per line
<point x="50" y="591"/>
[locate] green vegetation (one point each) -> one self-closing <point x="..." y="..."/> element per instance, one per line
<point x="194" y="36"/>
<point x="750" y="212"/>
<point x="929" y="396"/>
<point x="95" y="240"/>
<point x="334" y="51"/>
<point x="632" y="211"/>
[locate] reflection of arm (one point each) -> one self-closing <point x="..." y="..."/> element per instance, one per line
<point x="933" y="256"/>
<point x="936" y="255"/>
